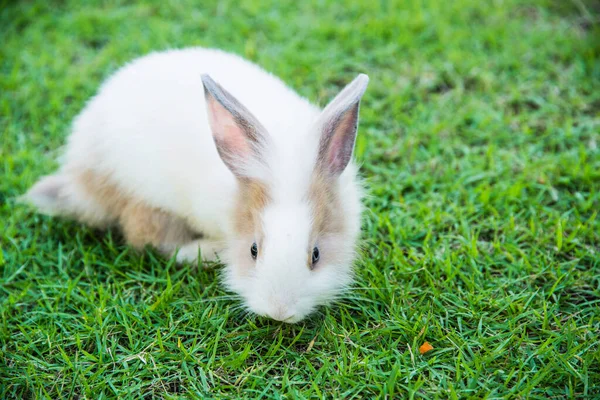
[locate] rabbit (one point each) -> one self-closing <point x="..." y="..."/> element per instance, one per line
<point x="197" y="151"/>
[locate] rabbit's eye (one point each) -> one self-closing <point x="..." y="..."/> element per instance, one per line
<point x="254" y="251"/>
<point x="315" y="257"/>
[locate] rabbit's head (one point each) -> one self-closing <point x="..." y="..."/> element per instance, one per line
<point x="297" y="215"/>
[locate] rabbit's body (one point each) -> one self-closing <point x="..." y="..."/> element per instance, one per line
<point x="142" y="155"/>
<point x="147" y="130"/>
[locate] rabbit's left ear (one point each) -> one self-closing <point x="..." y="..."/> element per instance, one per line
<point x="338" y="124"/>
<point x="239" y="137"/>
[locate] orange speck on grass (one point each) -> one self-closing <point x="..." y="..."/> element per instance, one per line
<point x="425" y="347"/>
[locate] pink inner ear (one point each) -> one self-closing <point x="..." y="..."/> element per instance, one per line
<point x="227" y="133"/>
<point x="234" y="141"/>
<point x="335" y="159"/>
<point x="341" y="144"/>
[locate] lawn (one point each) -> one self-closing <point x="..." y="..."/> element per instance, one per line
<point x="479" y="146"/>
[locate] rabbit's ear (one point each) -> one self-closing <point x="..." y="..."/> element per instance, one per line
<point x="239" y="137"/>
<point x="338" y="124"/>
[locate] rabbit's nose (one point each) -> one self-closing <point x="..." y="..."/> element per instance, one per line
<point x="282" y="313"/>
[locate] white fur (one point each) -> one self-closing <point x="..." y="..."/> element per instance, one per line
<point x="147" y="128"/>
<point x="60" y="195"/>
<point x="281" y="285"/>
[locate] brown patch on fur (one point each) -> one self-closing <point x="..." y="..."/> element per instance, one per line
<point x="107" y="195"/>
<point x="326" y="205"/>
<point x="253" y="197"/>
<point x="141" y="224"/>
<point x="144" y="225"/>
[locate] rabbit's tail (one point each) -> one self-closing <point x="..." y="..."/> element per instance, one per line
<point x="61" y="194"/>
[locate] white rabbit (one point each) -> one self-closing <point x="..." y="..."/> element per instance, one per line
<point x="254" y="174"/>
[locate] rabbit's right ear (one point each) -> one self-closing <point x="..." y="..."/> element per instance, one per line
<point x="239" y="137"/>
<point x="339" y="122"/>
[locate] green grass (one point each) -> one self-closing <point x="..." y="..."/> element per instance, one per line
<point x="479" y="142"/>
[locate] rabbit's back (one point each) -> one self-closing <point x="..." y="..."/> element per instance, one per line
<point x="147" y="130"/>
